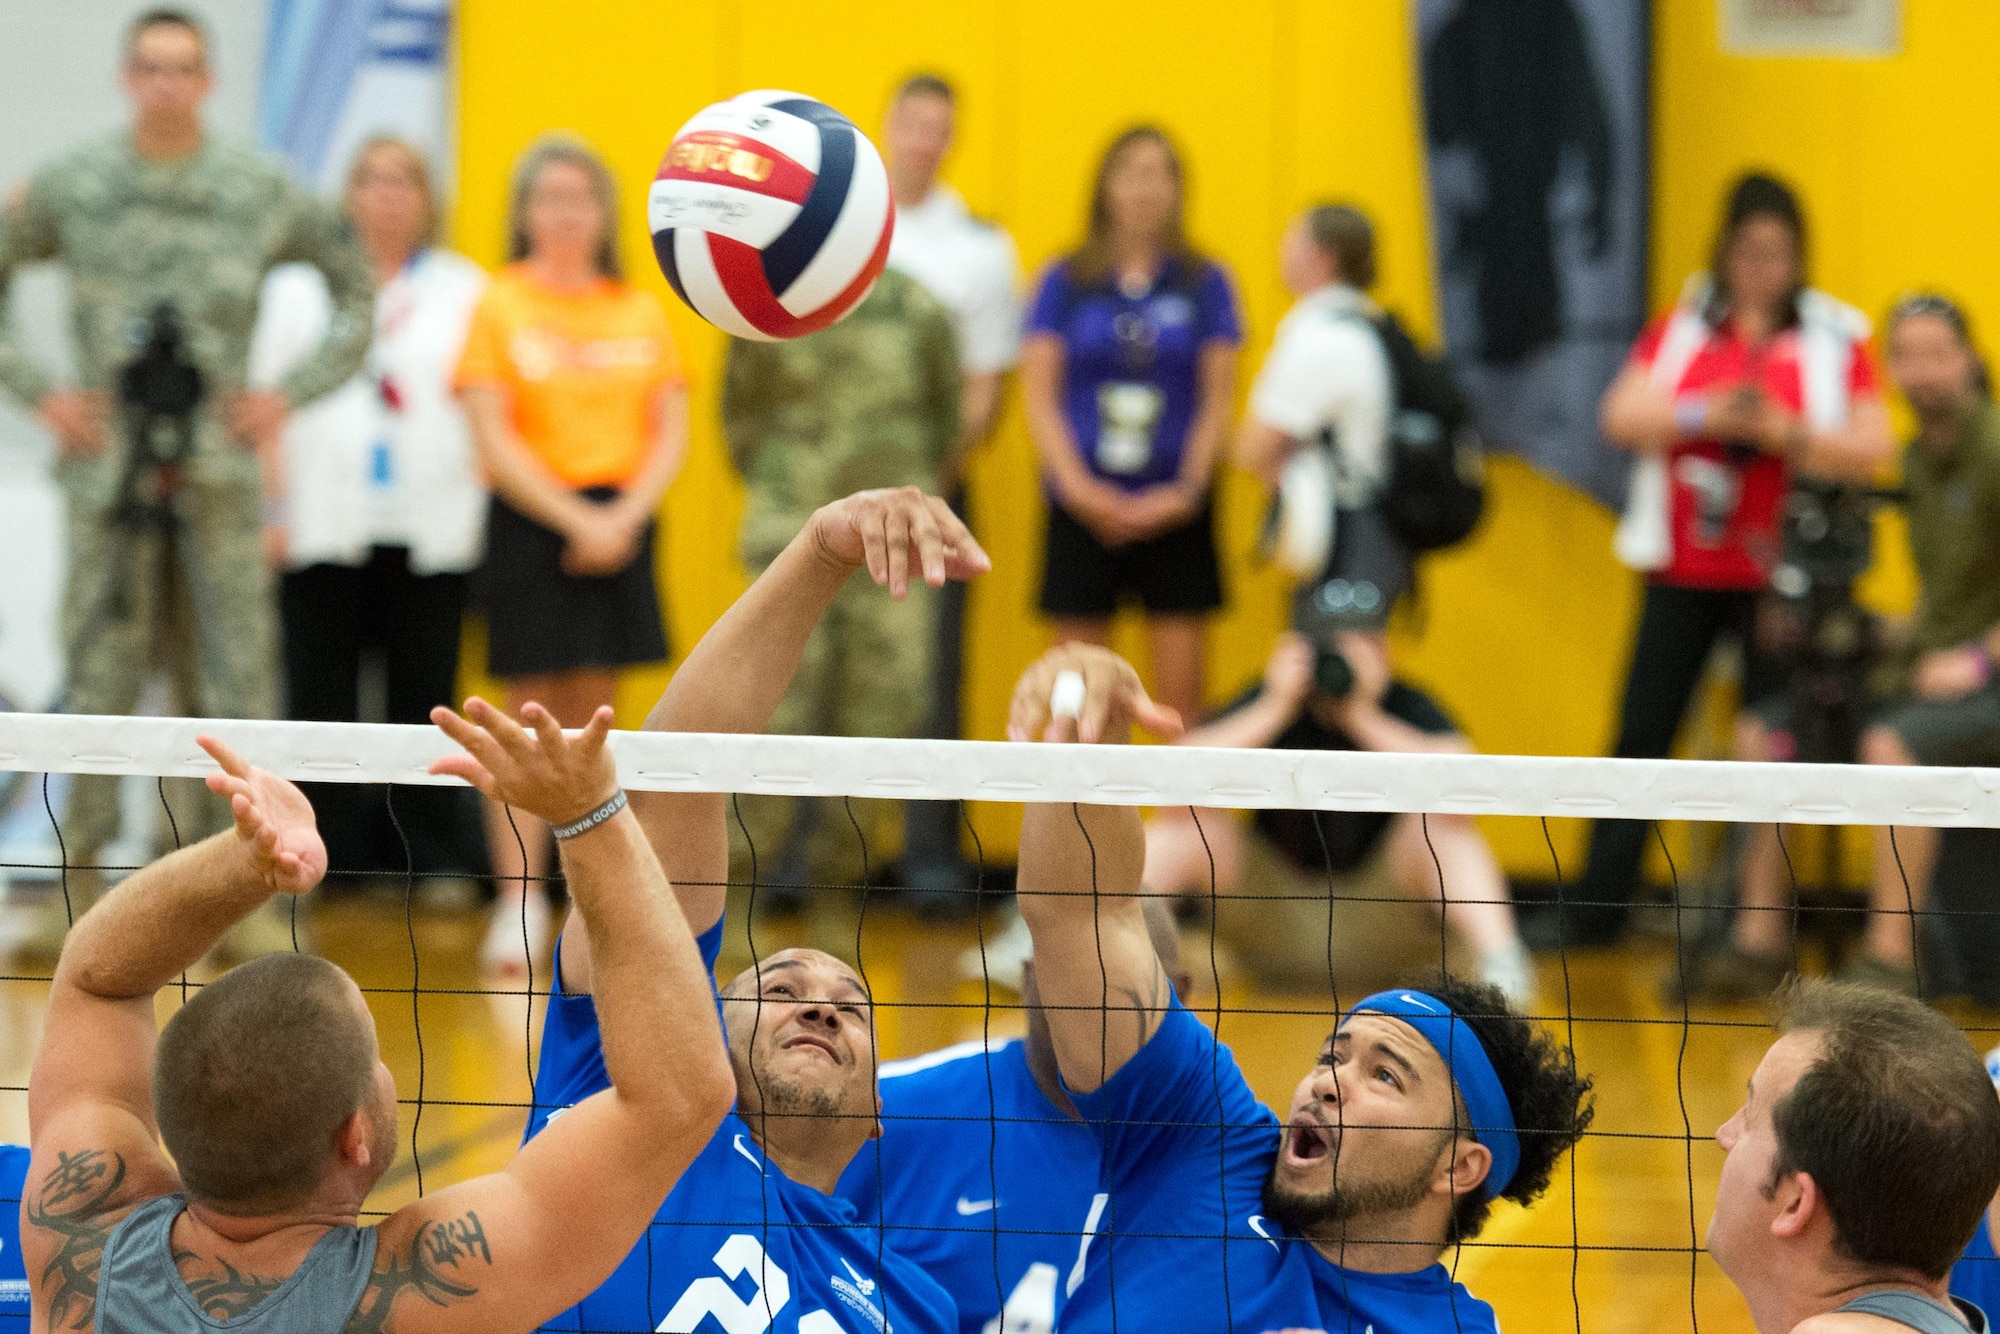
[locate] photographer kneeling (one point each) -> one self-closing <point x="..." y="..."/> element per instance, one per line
<point x="1946" y="708"/>
<point x="1336" y="695"/>
<point x="1322" y="409"/>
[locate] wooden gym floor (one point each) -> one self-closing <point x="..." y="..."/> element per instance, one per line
<point x="1608" y="1249"/>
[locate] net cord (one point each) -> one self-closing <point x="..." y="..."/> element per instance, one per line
<point x="999" y="771"/>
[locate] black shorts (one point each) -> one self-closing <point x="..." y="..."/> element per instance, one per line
<point x="1340" y="841"/>
<point x="1176" y="573"/>
<point x="540" y="618"/>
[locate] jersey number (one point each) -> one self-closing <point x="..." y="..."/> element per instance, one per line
<point x="1031" y="1306"/>
<point x="713" y="1297"/>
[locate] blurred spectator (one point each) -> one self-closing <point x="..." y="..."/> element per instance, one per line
<point x="579" y="410"/>
<point x="969" y="266"/>
<point x="871" y="402"/>
<point x="384" y="504"/>
<point x="1127" y="377"/>
<point x="1752" y="376"/>
<point x="167" y="233"/>
<point x="1945" y="705"/>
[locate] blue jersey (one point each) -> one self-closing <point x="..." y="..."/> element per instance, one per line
<point x="13" y="1273"/>
<point x="993" y="1182"/>
<point x="737" y="1245"/>
<point x="1976" y="1277"/>
<point x="1182" y="1244"/>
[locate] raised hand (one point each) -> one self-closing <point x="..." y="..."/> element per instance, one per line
<point x="273" y="818"/>
<point x="1113" y="699"/>
<point x="894" y="531"/>
<point x="547" y="772"/>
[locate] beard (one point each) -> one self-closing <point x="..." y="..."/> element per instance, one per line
<point x="1308" y="1212"/>
<point x="783" y="1096"/>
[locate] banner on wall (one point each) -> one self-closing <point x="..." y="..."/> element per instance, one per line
<point x="1812" y="27"/>
<point x="338" y="71"/>
<point x="1537" y="125"/>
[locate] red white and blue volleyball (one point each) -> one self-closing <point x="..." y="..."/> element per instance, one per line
<point x="771" y="215"/>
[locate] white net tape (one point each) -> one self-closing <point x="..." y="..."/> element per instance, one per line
<point x="1096" y="775"/>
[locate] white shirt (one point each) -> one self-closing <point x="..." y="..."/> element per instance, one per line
<point x="970" y="267"/>
<point x="359" y="472"/>
<point x="1327" y="370"/>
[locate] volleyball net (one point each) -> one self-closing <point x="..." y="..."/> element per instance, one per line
<point x="1622" y="1223"/>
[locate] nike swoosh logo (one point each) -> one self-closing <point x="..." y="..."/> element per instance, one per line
<point x="968" y="1208"/>
<point x="1257" y="1226"/>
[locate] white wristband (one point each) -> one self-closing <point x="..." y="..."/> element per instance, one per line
<point x="1066" y="697"/>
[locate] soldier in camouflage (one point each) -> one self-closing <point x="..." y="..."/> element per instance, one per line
<point x="871" y="402"/>
<point x="164" y="214"/>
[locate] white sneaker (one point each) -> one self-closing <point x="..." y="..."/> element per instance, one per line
<point x="1003" y="956"/>
<point x="1512" y="969"/>
<point x="509" y="947"/>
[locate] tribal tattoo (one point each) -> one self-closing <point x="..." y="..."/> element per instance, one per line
<point x="75" y="1195"/>
<point x="226" y="1295"/>
<point x="421" y="1267"/>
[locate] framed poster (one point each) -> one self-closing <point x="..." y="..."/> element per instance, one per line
<point x="1812" y="27"/>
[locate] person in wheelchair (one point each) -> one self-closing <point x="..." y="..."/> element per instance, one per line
<point x="1936" y="700"/>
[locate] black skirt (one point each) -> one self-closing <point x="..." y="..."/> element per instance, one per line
<point x="541" y="619"/>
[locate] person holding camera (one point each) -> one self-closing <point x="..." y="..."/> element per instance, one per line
<point x="163" y="452"/>
<point x="1334" y="691"/>
<point x="1752" y="379"/>
<point x="1942" y="705"/>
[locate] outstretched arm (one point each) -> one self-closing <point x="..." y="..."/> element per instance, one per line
<point x="1079" y="888"/>
<point x="737" y="674"/>
<point x="508" y="1251"/>
<point x="90" y="1097"/>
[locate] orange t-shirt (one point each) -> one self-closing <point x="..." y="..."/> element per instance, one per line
<point x="580" y="371"/>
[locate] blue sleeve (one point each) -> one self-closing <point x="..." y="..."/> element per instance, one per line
<point x="572" y="1061"/>
<point x="1180" y="1090"/>
<point x="1216" y="303"/>
<point x="13" y="1275"/>
<point x="1053" y="298"/>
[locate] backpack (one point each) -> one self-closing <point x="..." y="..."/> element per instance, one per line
<point x="1437" y="488"/>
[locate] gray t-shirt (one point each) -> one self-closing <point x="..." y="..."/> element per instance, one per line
<point x="139" y="1290"/>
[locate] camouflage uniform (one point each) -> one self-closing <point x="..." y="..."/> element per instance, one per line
<point x="871" y="402"/>
<point x="198" y="234"/>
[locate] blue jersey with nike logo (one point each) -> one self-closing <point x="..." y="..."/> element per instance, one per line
<point x="991" y="1182"/>
<point x="13" y="1274"/>
<point x="737" y="1245"/>
<point x="1182" y="1244"/>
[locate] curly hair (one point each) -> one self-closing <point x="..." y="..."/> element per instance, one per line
<point x="1551" y="1101"/>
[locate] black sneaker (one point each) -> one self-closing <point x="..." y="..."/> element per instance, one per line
<point x="1726" y="975"/>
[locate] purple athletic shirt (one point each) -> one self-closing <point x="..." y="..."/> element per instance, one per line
<point x="1133" y="363"/>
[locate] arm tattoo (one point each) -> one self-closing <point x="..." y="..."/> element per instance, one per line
<point x="420" y="1267"/>
<point x="75" y="1195"/>
<point x="1149" y="1005"/>
<point x="227" y="1295"/>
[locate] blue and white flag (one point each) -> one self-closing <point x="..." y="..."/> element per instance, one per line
<point x="338" y="71"/>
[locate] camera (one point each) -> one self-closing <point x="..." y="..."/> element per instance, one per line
<point x="160" y="389"/>
<point x="1321" y="611"/>
<point x="1827" y="641"/>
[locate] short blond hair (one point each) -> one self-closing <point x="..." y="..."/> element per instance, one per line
<point x="414" y="162"/>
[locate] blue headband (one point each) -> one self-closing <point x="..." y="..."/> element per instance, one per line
<point x="1460" y="1050"/>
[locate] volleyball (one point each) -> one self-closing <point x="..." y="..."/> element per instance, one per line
<point x="771" y="215"/>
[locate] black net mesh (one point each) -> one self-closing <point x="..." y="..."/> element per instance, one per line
<point x="1617" y="1237"/>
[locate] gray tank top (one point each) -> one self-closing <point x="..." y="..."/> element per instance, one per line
<point x="1921" y="1313"/>
<point x="140" y="1292"/>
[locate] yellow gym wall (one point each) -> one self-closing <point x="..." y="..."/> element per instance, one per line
<point x="1277" y="103"/>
